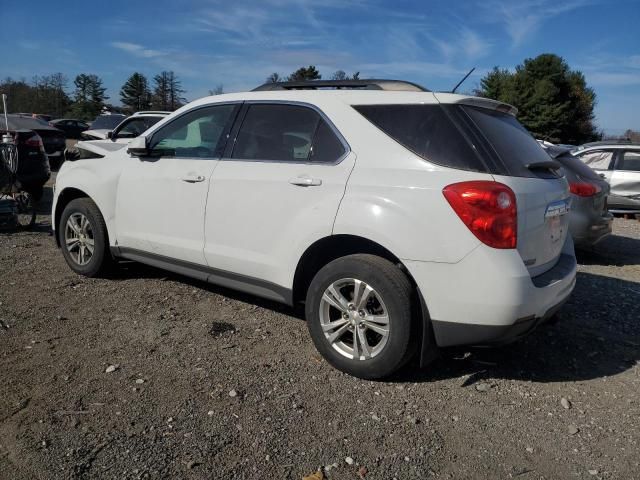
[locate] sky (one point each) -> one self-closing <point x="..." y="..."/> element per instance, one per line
<point x="238" y="43"/>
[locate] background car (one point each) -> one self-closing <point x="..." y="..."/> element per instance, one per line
<point x="72" y="128"/>
<point x="619" y="163"/>
<point x="129" y="128"/>
<point x="135" y="125"/>
<point x="33" y="164"/>
<point x="102" y="125"/>
<point x="53" y="139"/>
<point x="589" y="219"/>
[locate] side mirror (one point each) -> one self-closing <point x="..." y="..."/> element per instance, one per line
<point x="138" y="147"/>
<point x="110" y="134"/>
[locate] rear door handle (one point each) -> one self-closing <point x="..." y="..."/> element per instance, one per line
<point x="193" y="178"/>
<point x="305" y="181"/>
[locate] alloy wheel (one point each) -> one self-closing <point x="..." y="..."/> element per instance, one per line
<point x="354" y="319"/>
<point x="78" y="238"/>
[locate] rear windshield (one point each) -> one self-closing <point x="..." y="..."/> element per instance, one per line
<point x="427" y="131"/>
<point x="513" y="144"/>
<point x="28" y="123"/>
<point x="575" y="165"/>
<point x="108" y="122"/>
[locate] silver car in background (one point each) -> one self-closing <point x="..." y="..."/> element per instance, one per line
<point x="619" y="163"/>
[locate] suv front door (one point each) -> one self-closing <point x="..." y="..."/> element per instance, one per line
<point x="276" y="191"/>
<point x="161" y="198"/>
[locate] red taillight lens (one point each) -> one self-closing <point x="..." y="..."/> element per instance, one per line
<point x="34" y="141"/>
<point x="584" y="189"/>
<point x="488" y="209"/>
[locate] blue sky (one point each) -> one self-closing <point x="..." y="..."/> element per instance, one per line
<point x="238" y="43"/>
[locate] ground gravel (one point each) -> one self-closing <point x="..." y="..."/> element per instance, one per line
<point x="152" y="375"/>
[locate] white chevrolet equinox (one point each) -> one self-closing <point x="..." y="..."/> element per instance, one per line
<point x="404" y="220"/>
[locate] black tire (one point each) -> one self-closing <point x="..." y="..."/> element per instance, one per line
<point x="395" y="290"/>
<point x="101" y="262"/>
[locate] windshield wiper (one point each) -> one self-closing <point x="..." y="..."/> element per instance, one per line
<point x="544" y="165"/>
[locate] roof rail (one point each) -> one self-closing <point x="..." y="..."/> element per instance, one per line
<point x="615" y="141"/>
<point x="368" y="84"/>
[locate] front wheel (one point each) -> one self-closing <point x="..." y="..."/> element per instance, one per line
<point x="358" y="313"/>
<point x="83" y="238"/>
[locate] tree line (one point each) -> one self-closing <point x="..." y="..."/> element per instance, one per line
<point x="310" y="73"/>
<point x="50" y="94"/>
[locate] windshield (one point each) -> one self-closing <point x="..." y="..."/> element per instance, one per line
<point x="134" y="126"/>
<point x="108" y="122"/>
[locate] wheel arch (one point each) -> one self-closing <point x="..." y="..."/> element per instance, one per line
<point x="64" y="197"/>
<point x="332" y="247"/>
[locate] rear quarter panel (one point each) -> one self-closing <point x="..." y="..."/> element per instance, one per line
<point x="395" y="199"/>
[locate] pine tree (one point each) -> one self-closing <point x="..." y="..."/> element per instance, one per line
<point x="553" y="101"/>
<point x="89" y="97"/>
<point x="304" y="74"/>
<point x="167" y="92"/>
<point x="135" y="94"/>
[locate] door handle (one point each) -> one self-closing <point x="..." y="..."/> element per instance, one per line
<point x="193" y="178"/>
<point x="305" y="181"/>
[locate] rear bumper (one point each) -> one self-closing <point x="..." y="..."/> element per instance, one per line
<point x="591" y="233"/>
<point x="489" y="296"/>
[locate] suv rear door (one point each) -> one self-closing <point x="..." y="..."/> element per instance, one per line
<point x="276" y="190"/>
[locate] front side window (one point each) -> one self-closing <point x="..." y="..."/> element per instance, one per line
<point x="135" y="126"/>
<point x="630" y="162"/>
<point x="288" y="133"/>
<point x="199" y="133"/>
<point x="597" y="159"/>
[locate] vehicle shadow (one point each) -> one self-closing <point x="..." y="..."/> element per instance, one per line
<point x="615" y="250"/>
<point x="129" y="270"/>
<point x="597" y="335"/>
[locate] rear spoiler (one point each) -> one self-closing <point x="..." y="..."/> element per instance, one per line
<point x="449" y="98"/>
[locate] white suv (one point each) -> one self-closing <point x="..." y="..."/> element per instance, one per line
<point x="404" y="220"/>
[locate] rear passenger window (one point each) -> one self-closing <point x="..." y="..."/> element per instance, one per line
<point x="286" y="133"/>
<point x="327" y="148"/>
<point x="630" y="161"/>
<point x="426" y="131"/>
<point x="598" y="160"/>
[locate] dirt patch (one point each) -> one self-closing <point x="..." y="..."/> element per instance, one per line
<point x="210" y="383"/>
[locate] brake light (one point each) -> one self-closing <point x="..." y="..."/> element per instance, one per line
<point x="34" y="141"/>
<point x="584" y="189"/>
<point x="488" y="209"/>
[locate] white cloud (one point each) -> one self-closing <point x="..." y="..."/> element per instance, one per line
<point x="522" y="18"/>
<point x="138" y="50"/>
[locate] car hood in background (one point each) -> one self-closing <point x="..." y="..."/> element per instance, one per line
<point x="99" y="134"/>
<point x="100" y="147"/>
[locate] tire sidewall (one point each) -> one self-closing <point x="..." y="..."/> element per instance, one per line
<point x="394" y="354"/>
<point x="83" y="206"/>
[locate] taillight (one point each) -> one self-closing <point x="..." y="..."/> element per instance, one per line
<point x="34" y="141"/>
<point x="584" y="189"/>
<point x="488" y="209"/>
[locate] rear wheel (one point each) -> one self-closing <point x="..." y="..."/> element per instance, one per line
<point x="83" y="238"/>
<point x="358" y="312"/>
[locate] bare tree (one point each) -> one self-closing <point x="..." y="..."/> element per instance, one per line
<point x="274" y="78"/>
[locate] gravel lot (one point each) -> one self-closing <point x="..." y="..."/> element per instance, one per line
<point x="208" y="383"/>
